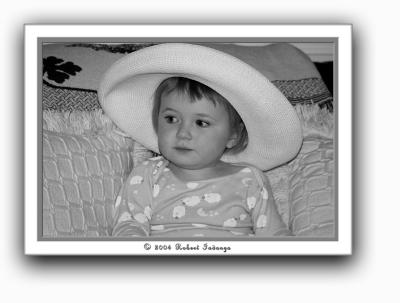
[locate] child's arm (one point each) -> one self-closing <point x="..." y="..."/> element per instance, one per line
<point x="133" y="206"/>
<point x="125" y="220"/>
<point x="266" y="219"/>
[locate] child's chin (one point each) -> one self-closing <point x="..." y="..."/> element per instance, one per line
<point x="186" y="164"/>
<point x="187" y="160"/>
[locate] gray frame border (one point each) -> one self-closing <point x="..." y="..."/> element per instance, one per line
<point x="132" y="40"/>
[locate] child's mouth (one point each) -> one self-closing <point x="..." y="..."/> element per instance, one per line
<point x="182" y="149"/>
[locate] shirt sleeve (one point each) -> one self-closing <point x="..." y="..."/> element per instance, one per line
<point x="267" y="221"/>
<point x="132" y="212"/>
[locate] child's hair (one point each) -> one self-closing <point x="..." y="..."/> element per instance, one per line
<point x="195" y="91"/>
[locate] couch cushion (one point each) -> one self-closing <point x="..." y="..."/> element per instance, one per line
<point x="82" y="175"/>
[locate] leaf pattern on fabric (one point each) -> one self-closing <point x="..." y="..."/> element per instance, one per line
<point x="58" y="70"/>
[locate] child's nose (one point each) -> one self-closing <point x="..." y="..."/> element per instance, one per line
<point x="184" y="132"/>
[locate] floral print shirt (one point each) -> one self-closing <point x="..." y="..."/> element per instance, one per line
<point x="154" y="202"/>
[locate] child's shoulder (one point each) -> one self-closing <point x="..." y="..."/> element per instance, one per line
<point x="150" y="166"/>
<point x="252" y="174"/>
<point x="243" y="168"/>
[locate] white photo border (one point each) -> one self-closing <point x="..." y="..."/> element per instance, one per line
<point x="341" y="246"/>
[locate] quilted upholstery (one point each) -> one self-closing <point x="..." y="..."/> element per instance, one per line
<point x="311" y="194"/>
<point x="82" y="175"/>
<point x="303" y="189"/>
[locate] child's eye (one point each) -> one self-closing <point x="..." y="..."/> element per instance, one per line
<point x="170" y="119"/>
<point x="202" y="123"/>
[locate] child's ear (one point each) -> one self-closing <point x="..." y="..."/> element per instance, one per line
<point x="232" y="141"/>
<point x="234" y="138"/>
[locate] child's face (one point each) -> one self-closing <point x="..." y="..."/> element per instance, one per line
<point x="193" y="135"/>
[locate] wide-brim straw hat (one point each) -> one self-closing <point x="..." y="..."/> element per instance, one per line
<point x="126" y="94"/>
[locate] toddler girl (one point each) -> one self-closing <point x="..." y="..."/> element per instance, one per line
<point x="201" y="185"/>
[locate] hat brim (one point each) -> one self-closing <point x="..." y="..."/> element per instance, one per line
<point x="127" y="89"/>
